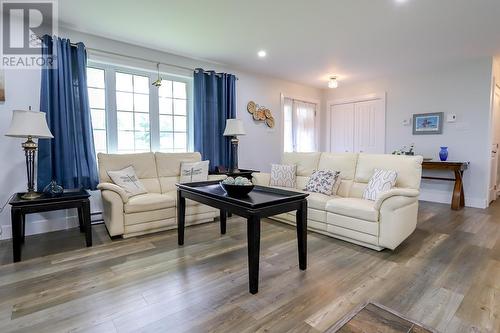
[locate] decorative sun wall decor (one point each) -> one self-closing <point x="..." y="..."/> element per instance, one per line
<point x="261" y="113"/>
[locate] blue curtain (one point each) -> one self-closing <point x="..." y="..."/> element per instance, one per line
<point x="214" y="102"/>
<point x="69" y="158"/>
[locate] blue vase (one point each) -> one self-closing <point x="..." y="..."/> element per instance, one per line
<point x="443" y="154"/>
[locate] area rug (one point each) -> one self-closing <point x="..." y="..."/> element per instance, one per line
<point x="375" y="318"/>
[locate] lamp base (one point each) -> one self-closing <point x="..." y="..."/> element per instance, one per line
<point x="31" y="195"/>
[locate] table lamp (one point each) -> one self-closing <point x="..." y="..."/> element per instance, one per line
<point x="234" y="127"/>
<point x="30" y="125"/>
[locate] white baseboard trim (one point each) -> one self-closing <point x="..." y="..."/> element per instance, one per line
<point x="42" y="226"/>
<point x="445" y="198"/>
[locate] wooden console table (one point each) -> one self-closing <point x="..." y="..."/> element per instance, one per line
<point x="458" y="168"/>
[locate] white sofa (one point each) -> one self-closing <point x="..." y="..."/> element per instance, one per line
<point x="155" y="210"/>
<point x="383" y="223"/>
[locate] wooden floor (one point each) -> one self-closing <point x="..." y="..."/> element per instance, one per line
<point x="446" y="276"/>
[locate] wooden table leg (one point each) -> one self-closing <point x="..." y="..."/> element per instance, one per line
<point x="462" y="193"/>
<point x="81" y="219"/>
<point x="253" y="239"/>
<point x="457" y="191"/>
<point x="181" y="217"/>
<point x="16" y="220"/>
<point x="23" y="232"/>
<point x="223" y="219"/>
<point x="85" y="216"/>
<point x="301" y="222"/>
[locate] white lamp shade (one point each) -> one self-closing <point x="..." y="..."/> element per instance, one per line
<point x="234" y="127"/>
<point x="29" y="123"/>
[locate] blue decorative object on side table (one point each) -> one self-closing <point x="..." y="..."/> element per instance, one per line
<point x="443" y="154"/>
<point x="53" y="189"/>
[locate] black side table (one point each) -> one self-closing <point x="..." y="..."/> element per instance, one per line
<point x="70" y="199"/>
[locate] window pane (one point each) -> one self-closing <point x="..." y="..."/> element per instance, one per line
<point x="166" y="141"/>
<point x="141" y="103"/>
<point x="125" y="121"/>
<point x="142" y="122"/>
<point x="142" y="141"/>
<point x="180" y="106"/>
<point x="100" y="140"/>
<point x="96" y="98"/>
<point x="124" y="101"/>
<point x="180" y="140"/>
<point x="166" y="123"/>
<point x="141" y="84"/>
<point x="125" y="140"/>
<point x="95" y="77"/>
<point x="98" y="119"/>
<point x="180" y="123"/>
<point x="165" y="105"/>
<point x="124" y="82"/>
<point x="166" y="89"/>
<point x="179" y="90"/>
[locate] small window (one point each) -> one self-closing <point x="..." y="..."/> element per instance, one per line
<point x="172" y="101"/>
<point x="299" y="126"/>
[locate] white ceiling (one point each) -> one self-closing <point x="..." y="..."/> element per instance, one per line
<point x="306" y="40"/>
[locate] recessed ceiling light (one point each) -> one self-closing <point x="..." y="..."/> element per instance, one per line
<point x="261" y="53"/>
<point x="400" y="1"/>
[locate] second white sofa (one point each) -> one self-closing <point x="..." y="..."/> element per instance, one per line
<point x="383" y="223"/>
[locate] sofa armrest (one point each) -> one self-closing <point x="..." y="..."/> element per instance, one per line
<point x="114" y="188"/>
<point x="261" y="178"/>
<point x="216" y="177"/>
<point x="403" y="192"/>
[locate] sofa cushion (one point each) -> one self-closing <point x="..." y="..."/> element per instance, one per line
<point x="283" y="175"/>
<point x="128" y="181"/>
<point x="409" y="168"/>
<point x="353" y="207"/>
<point x="149" y="201"/>
<point x="169" y="164"/>
<point x="381" y="181"/>
<point x="317" y="200"/>
<point x="322" y="181"/>
<point x="343" y="162"/>
<point x="306" y="162"/>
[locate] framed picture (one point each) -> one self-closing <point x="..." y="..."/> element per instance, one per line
<point x="428" y="123"/>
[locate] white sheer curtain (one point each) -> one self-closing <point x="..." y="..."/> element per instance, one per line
<point x="299" y="126"/>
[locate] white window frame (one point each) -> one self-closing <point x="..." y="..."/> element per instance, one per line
<point x="154" y="112"/>
<point x="317" y="118"/>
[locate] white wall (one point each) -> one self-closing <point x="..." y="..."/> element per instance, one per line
<point x="260" y="147"/>
<point x="463" y="89"/>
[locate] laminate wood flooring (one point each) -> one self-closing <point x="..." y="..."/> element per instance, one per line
<point x="446" y="275"/>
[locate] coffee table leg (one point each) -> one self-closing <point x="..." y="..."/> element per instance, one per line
<point x="16" y="219"/>
<point x="301" y="221"/>
<point x="253" y="239"/>
<point x="222" y="219"/>
<point x="181" y="217"/>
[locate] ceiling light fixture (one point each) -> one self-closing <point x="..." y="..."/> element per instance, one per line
<point x="333" y="83"/>
<point x="157" y="83"/>
<point x="261" y="53"/>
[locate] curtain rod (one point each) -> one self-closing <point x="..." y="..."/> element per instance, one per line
<point x="137" y="58"/>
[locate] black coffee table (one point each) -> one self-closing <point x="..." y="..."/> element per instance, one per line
<point x="261" y="202"/>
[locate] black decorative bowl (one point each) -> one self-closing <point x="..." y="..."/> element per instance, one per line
<point x="237" y="190"/>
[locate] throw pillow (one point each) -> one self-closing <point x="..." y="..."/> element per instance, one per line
<point x="127" y="180"/>
<point x="283" y="175"/>
<point x="381" y="181"/>
<point x="322" y="181"/>
<point x="194" y="172"/>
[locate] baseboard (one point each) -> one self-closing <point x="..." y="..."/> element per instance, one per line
<point x="445" y="198"/>
<point x="42" y="226"/>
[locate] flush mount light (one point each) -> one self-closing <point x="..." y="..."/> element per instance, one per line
<point x="333" y="83"/>
<point x="261" y="53"/>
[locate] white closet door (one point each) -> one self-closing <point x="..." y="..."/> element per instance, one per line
<point x="369" y="127"/>
<point x="342" y="128"/>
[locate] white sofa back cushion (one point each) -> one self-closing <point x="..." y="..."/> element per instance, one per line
<point x="169" y="168"/>
<point x="144" y="166"/>
<point x="408" y="168"/>
<point x="306" y="162"/>
<point x="345" y="163"/>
